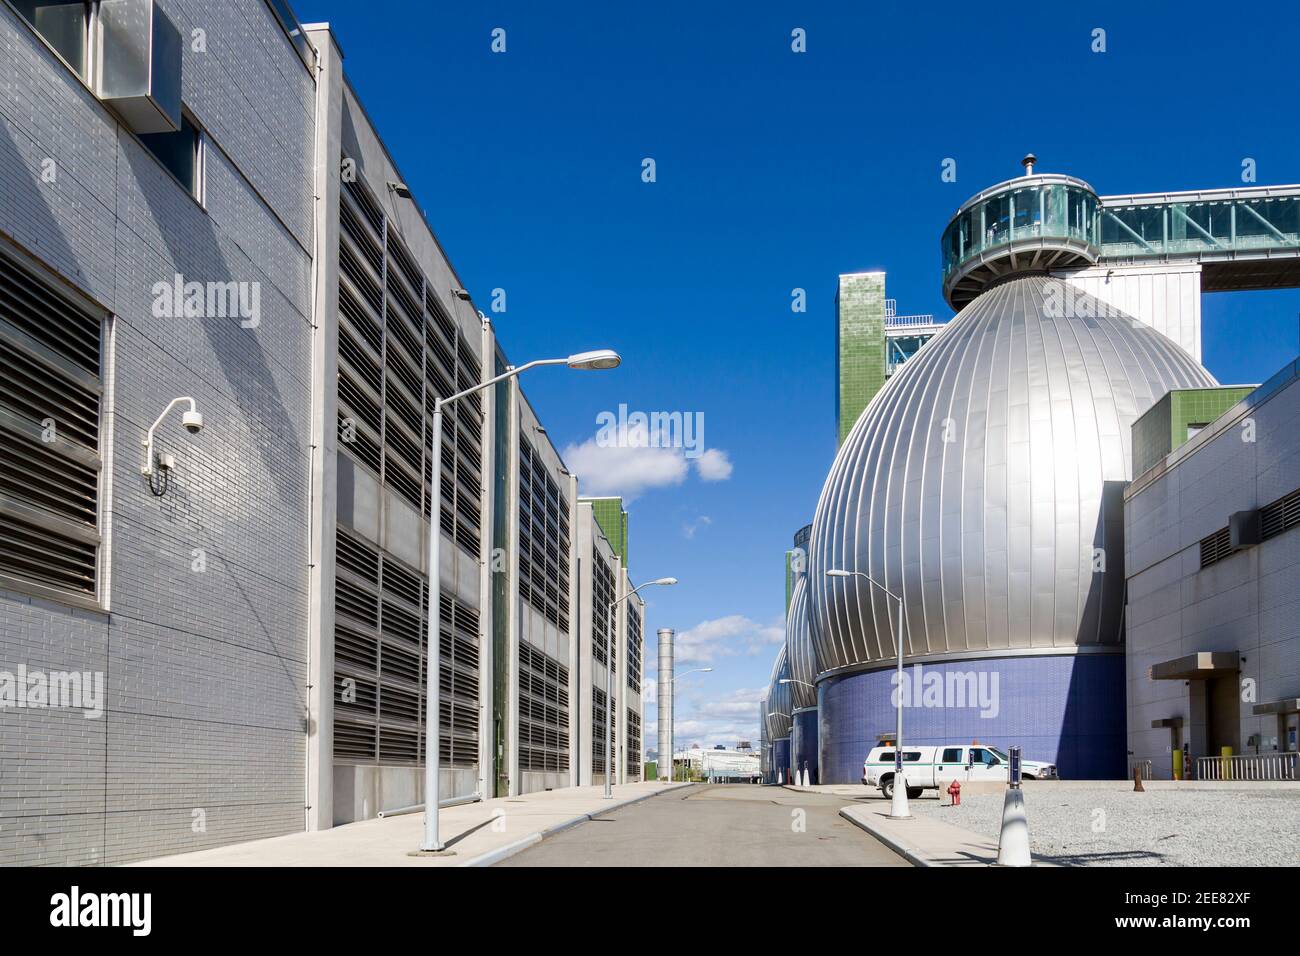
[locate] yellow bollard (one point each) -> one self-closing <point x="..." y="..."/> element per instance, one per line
<point x="1178" y="764"/>
<point x="1225" y="763"/>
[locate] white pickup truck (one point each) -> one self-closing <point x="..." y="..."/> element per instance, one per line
<point x="933" y="768"/>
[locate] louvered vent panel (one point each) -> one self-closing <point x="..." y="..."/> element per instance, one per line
<point x="354" y="741"/>
<point x="543" y="712"/>
<point x="357" y="556"/>
<point x="49" y="433"/>
<point x="633" y="744"/>
<point x="1216" y="547"/>
<point x="29" y="303"/>
<point x="367" y="206"/>
<point x="398" y="580"/>
<point x="634" y="641"/>
<point x="1280" y="515"/>
<point x="398" y="352"/>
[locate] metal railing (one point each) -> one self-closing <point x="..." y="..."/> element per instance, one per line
<point x="1144" y="766"/>
<point x="892" y="318"/>
<point x="1272" y="766"/>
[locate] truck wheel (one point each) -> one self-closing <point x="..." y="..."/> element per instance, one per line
<point x="914" y="793"/>
<point x="887" y="788"/>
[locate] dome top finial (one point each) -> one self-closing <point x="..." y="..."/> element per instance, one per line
<point x="1028" y="163"/>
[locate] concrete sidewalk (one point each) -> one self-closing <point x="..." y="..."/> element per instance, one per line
<point x="477" y="834"/>
<point x="924" y="841"/>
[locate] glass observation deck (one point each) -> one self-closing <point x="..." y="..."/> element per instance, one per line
<point x="1029" y="224"/>
<point x="1243" y="238"/>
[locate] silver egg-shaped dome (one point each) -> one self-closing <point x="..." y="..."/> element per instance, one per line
<point x="777" y="716"/>
<point x="799" y="647"/>
<point x="984" y="483"/>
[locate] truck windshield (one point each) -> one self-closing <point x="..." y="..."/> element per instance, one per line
<point x="999" y="754"/>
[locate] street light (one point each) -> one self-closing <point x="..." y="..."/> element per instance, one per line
<point x="898" y="808"/>
<point x="600" y="359"/>
<point x="609" y="679"/>
<point x="672" y="730"/>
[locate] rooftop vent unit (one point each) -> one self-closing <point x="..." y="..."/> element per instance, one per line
<point x="140" y="65"/>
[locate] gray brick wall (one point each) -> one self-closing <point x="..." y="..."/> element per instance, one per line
<point x="205" y="672"/>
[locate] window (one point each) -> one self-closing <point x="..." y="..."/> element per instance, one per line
<point x="63" y="25"/>
<point x="909" y="756"/>
<point x="982" y="756"/>
<point x="179" y="153"/>
<point x="951" y="755"/>
<point x="1194" y="429"/>
<point x="49" y="435"/>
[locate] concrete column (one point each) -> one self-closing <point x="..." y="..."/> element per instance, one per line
<point x="324" y="432"/>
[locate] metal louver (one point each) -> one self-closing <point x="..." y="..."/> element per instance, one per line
<point x="1216" y="547"/>
<point x="1280" y="515"/>
<point x="543" y="711"/>
<point x="399" y="350"/>
<point x="50" y="346"/>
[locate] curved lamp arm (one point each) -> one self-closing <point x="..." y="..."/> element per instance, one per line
<point x="148" y="440"/>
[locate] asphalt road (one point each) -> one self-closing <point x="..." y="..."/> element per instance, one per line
<point x="735" y="825"/>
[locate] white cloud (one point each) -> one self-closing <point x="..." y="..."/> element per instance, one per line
<point x="740" y="704"/>
<point x="713" y="465"/>
<point x="630" y="472"/>
<point x="689" y="529"/>
<point x="635" y="463"/>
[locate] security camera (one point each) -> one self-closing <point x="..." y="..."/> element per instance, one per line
<point x="193" y="422"/>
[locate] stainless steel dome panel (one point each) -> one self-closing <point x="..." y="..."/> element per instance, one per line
<point x="980" y="480"/>
<point x="799" y="646"/>
<point x="778" y="712"/>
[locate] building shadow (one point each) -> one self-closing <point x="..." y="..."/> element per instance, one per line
<point x="196" y="254"/>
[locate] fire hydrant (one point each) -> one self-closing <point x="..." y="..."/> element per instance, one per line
<point x="954" y="791"/>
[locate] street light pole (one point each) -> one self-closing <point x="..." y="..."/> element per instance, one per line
<point x="598" y="360"/>
<point x="610" y="762"/>
<point x="609" y="680"/>
<point x="898" y="806"/>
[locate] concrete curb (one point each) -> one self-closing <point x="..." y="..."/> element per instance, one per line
<point x="899" y="847"/>
<point x="492" y="857"/>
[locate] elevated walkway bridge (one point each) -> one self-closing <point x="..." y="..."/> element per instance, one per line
<point x="1242" y="238"/>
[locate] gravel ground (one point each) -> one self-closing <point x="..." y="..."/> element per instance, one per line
<point x="1156" y="828"/>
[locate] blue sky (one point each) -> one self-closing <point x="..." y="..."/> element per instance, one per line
<point x="776" y="171"/>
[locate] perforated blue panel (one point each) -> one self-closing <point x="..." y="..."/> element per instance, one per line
<point x="1066" y="709"/>
<point x="781" y="759"/>
<point x="803" y="743"/>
